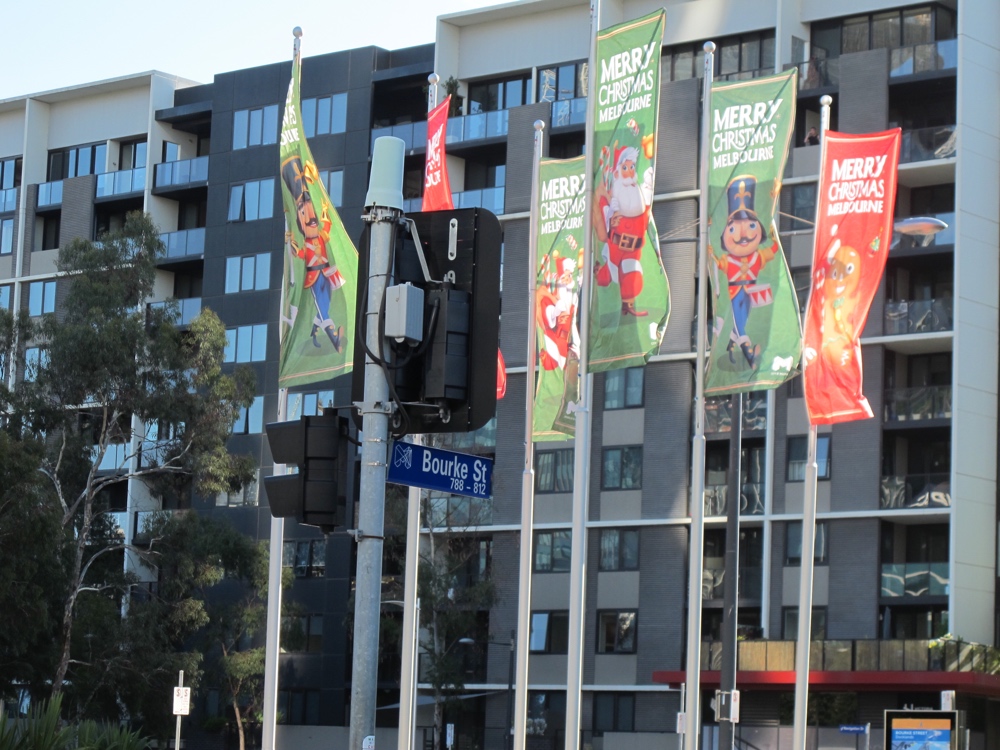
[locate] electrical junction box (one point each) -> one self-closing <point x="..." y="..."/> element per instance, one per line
<point x="404" y="313"/>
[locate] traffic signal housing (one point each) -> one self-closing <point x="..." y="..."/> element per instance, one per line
<point x="317" y="494"/>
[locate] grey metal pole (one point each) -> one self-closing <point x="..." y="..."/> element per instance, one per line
<point x="804" y="634"/>
<point x="510" y="689"/>
<point x="385" y="204"/>
<point x="727" y="680"/>
<point x="411" y="621"/>
<point x="692" y="702"/>
<point x="177" y="732"/>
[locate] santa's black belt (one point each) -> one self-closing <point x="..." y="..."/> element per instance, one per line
<point x="626" y="241"/>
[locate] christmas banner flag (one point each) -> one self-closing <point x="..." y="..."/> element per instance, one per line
<point x="631" y="297"/>
<point x="437" y="188"/>
<point x="757" y="337"/>
<point x="321" y="263"/>
<point x="857" y="196"/>
<point x="561" y="202"/>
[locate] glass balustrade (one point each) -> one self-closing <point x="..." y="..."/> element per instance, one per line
<point x="186" y="310"/>
<point x="50" y="193"/>
<point x="923" y="58"/>
<point x="918" y="316"/>
<point x="819" y="73"/>
<point x="915" y="579"/>
<point x="751" y="499"/>
<point x="913" y="404"/>
<point x="926" y="144"/>
<point x="123" y="182"/>
<point x="8" y="199"/>
<point x="183" y="172"/>
<point x="945" y="237"/>
<point x="898" y="491"/>
<point x="184" y="244"/>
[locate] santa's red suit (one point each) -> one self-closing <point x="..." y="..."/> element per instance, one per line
<point x="557" y="325"/>
<point x="623" y="253"/>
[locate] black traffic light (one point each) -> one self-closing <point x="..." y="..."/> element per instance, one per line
<point x="317" y="494"/>
<point x="447" y="383"/>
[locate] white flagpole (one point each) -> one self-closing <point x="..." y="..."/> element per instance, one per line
<point x="581" y="443"/>
<point x="527" y="475"/>
<point x="692" y="711"/>
<point x="808" y="547"/>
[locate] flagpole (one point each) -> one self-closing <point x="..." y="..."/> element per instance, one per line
<point x="528" y="474"/>
<point x="808" y="547"/>
<point x="692" y="709"/>
<point x="581" y="442"/>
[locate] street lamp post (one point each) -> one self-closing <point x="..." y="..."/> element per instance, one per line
<point x="407" y="725"/>
<point x="510" y="680"/>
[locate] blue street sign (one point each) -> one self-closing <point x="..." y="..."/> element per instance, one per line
<point x="437" y="469"/>
<point x="854" y="729"/>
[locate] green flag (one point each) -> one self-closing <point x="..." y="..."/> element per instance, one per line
<point x="757" y="335"/>
<point x="561" y="204"/>
<point x="631" y="298"/>
<point x="321" y="263"/>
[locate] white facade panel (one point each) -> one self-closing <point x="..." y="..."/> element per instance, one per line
<point x="101" y="117"/>
<point x="11" y="134"/>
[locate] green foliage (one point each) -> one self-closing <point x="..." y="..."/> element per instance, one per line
<point x="41" y="730"/>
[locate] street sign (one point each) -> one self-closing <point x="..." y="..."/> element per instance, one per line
<point x="854" y="729"/>
<point x="437" y="469"/>
<point x="182" y="701"/>
<point x="368" y="743"/>
<point x="450" y="739"/>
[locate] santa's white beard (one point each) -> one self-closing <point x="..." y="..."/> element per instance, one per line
<point x="627" y="197"/>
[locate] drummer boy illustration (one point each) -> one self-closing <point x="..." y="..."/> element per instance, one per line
<point x="742" y="261"/>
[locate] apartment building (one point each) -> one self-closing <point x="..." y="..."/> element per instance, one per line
<point x="907" y="536"/>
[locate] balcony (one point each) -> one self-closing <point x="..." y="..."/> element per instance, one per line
<point x="719" y="414"/>
<point x="907" y="491"/>
<point x="412" y="134"/>
<point x="915" y="579"/>
<point x="901" y="317"/>
<point x="50" y="193"/>
<point x="492" y="199"/>
<point x="181" y="173"/>
<point x="122" y="182"/>
<point x="114" y="457"/>
<point x="925" y="144"/>
<point x="751" y="499"/>
<point x="8" y="200"/>
<point x="914" y="404"/>
<point x="185" y="310"/>
<point x="187" y="243"/>
<point x="713" y="582"/>
<point x="569" y="112"/>
<point x="742" y="75"/>
<point x="946" y="237"/>
<point x="144" y="519"/>
<point x="819" y="74"/>
<point x="923" y="58"/>
<point x="860" y="656"/>
<point x="474" y="127"/>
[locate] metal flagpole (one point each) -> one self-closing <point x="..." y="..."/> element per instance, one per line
<point x="527" y="475"/>
<point x="730" y="588"/>
<point x="808" y="548"/>
<point x="581" y="443"/>
<point x="692" y="707"/>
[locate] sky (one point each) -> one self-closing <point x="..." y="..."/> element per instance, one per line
<point x="57" y="43"/>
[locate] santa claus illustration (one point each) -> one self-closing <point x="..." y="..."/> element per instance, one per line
<point x="557" y="304"/>
<point x="621" y="215"/>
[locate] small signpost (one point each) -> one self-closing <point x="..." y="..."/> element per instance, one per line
<point x="450" y="736"/>
<point x="437" y="469"/>
<point x="864" y="729"/>
<point x="182" y="706"/>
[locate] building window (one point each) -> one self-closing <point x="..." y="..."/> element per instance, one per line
<point x="132" y="155"/>
<point x="251" y="200"/>
<point x="549" y="632"/>
<point x="4" y="297"/>
<point x="793" y="543"/>
<point x="309" y="404"/>
<point x="255" y="127"/>
<point x="619" y="549"/>
<point x="554" y="471"/>
<point x="567" y="81"/>
<point x="802" y="281"/>
<point x="10" y="173"/>
<point x="246" y="344"/>
<point x="48" y="231"/>
<point x="77" y="161"/>
<point x="623" y="388"/>
<point x="308" y="558"/>
<point x="298" y="707"/>
<point x="251" y="418"/>
<point x="797" y="457"/>
<point x="622" y="468"/>
<point x="498" y="93"/>
<point x="302" y="634"/>
<point x="790" y="624"/>
<point x="324" y="115"/>
<point x="245" y="497"/>
<point x="41" y="297"/>
<point x="799" y="212"/>
<point x="613" y="712"/>
<point x="616" y="632"/>
<point x="887" y="29"/>
<point x="248" y="273"/>
<point x="6" y="236"/>
<point x="35" y="358"/>
<point x="736" y="57"/>
<point x="333" y="181"/>
<point x="552" y="551"/>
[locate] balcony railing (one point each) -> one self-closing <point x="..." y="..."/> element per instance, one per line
<point x="918" y="316"/>
<point x="183" y="172"/>
<point x="184" y="244"/>
<point x="925" y="144"/>
<point x="915" y="579"/>
<point x="713" y="582"/>
<point x="927" y="402"/>
<point x="50" y="193"/>
<point x="460" y="129"/>
<point x="186" y="309"/>
<point x="915" y="491"/>
<point x="945" y="237"/>
<point x="743" y="75"/>
<point x="751" y="499"/>
<point x="145" y="518"/>
<point x="937" y="655"/>
<point x="819" y="73"/>
<point x="8" y="200"/>
<point x="923" y="58"/>
<point x="492" y="199"/>
<point x="719" y="414"/>
<point x="114" y="457"/>
<point x="569" y="112"/>
<point x="122" y="182"/>
<point x="412" y="134"/>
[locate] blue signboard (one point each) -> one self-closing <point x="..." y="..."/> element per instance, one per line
<point x="437" y="469"/>
<point x="854" y="728"/>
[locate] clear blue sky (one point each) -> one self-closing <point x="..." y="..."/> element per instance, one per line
<point x="49" y="45"/>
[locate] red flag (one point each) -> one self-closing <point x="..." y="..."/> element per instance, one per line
<point x="501" y="376"/>
<point x="437" y="188"/>
<point x="857" y="195"/>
